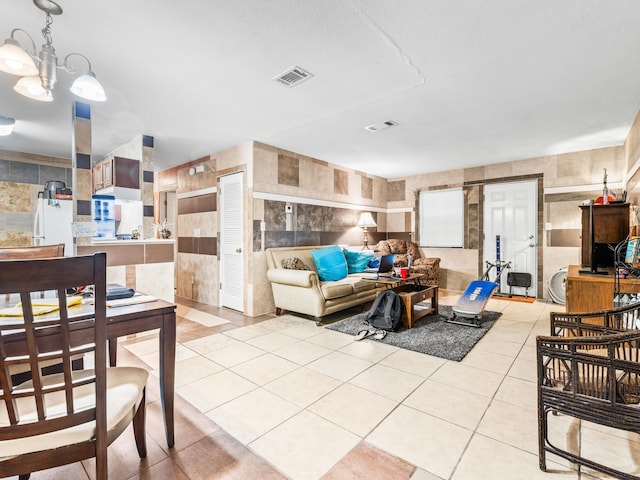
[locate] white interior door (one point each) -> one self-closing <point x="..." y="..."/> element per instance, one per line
<point x="510" y="210"/>
<point x="231" y="241"/>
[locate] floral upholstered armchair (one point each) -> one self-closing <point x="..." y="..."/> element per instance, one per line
<point x="419" y="264"/>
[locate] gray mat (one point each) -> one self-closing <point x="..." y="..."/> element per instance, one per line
<point x="431" y="334"/>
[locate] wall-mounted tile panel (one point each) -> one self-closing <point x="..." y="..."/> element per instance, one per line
<point x="24" y="173"/>
<point x="18" y="222"/>
<point x="84" y="207"/>
<point x="366" y="187"/>
<point x="340" y="182"/>
<point x="147" y="211"/>
<point x="198" y="245"/>
<point x="4" y="170"/>
<point x="83" y="161"/>
<point x="158" y="253"/>
<point x="396" y="191"/>
<point x="47" y="173"/>
<point x="288" y="170"/>
<point x="201" y="203"/>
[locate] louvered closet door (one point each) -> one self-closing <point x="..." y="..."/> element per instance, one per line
<point x="231" y="254"/>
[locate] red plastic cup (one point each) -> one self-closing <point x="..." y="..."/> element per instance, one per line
<point x="404" y="271"/>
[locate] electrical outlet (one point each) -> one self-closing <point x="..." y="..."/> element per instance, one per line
<point x="288" y="208"/>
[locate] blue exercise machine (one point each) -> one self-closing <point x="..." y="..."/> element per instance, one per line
<point x="470" y="306"/>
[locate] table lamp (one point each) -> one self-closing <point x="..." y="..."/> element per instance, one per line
<point x="366" y="221"/>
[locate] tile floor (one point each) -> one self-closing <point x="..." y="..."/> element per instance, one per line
<point x="279" y="398"/>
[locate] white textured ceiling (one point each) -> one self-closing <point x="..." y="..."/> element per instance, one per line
<point x="469" y="82"/>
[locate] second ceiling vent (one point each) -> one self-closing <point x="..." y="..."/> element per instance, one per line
<point x="376" y="127"/>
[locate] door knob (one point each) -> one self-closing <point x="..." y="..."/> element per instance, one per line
<point x="238" y="250"/>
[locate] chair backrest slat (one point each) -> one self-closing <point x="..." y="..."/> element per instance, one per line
<point x="6" y="386"/>
<point x="30" y="333"/>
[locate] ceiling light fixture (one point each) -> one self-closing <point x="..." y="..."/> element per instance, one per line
<point x="6" y="125"/>
<point x="38" y="70"/>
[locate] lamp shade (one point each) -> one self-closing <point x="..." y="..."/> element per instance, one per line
<point x="15" y="60"/>
<point x="88" y="87"/>
<point x="366" y="220"/>
<point x="31" y="87"/>
<point x="6" y="125"/>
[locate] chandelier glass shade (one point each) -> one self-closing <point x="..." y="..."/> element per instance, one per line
<point x="31" y="87"/>
<point x="87" y="86"/>
<point x="14" y="60"/>
<point x="6" y="125"/>
<point x="39" y="69"/>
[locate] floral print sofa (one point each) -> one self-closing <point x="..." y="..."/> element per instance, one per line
<point x="419" y="264"/>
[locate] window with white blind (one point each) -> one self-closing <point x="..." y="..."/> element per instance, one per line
<point x="441" y="218"/>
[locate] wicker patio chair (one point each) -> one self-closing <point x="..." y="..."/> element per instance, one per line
<point x="591" y="378"/>
<point x="602" y="322"/>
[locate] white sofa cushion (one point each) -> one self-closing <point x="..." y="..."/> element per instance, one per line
<point x="344" y="287"/>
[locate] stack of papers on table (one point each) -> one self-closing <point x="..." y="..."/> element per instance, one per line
<point x="137" y="298"/>
<point x="40" y="306"/>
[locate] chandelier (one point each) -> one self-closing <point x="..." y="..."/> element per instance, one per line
<point x="38" y="70"/>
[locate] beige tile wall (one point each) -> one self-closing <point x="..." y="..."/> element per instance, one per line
<point x="318" y="180"/>
<point x="561" y="210"/>
<point x="196" y="274"/>
<point x="283" y="172"/>
<point x="21" y="198"/>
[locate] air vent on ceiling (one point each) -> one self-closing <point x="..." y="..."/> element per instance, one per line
<point x="376" y="127"/>
<point x="293" y="76"/>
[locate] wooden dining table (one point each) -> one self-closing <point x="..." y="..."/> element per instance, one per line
<point x="128" y="320"/>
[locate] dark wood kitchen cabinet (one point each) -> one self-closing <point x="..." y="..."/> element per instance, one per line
<point x="96" y="176"/>
<point x="116" y="172"/>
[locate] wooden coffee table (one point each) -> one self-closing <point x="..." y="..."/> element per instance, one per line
<point x="411" y="295"/>
<point x="391" y="282"/>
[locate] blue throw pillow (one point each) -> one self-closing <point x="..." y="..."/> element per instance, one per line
<point x="330" y="263"/>
<point x="374" y="263"/>
<point x="357" y="261"/>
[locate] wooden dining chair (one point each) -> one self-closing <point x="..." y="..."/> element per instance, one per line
<point x="57" y="419"/>
<point x="39" y="251"/>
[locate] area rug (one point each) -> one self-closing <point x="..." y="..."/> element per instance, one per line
<point x="431" y="334"/>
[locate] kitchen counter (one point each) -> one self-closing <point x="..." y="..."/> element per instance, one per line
<point x="113" y="241"/>
<point x="146" y="265"/>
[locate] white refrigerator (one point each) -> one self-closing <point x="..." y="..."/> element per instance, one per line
<point x="52" y="224"/>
